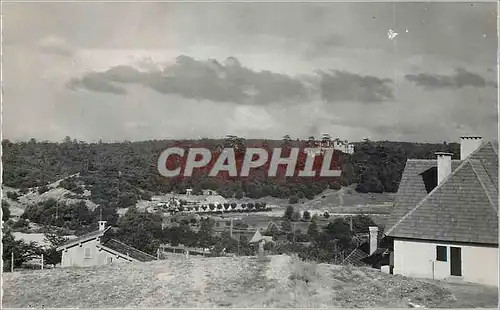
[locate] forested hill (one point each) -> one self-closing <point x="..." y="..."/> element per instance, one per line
<point x="120" y="173"/>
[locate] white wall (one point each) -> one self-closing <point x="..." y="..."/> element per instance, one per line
<point x="75" y="256"/>
<point x="418" y="259"/>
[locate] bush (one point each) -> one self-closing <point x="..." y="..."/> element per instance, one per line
<point x="293" y="199"/>
<point x="289" y="213"/>
<point x="5" y="212"/>
<point x="21" y="224"/>
<point x="326" y="215"/>
<point x="12" y="195"/>
<point x="296" y="216"/>
<point x="335" y="186"/>
<point x="43" y="189"/>
<point x="306" y="216"/>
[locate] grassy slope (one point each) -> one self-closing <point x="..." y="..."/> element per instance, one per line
<point x="218" y="282"/>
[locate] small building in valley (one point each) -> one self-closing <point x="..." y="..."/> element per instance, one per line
<point x="445" y="221"/>
<point x="98" y="248"/>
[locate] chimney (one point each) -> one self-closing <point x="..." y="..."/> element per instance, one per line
<point x="102" y="225"/>
<point x="468" y="144"/>
<point x="373" y="238"/>
<point x="443" y="165"/>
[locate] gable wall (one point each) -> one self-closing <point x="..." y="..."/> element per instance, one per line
<point x="418" y="259"/>
<point x="75" y="256"/>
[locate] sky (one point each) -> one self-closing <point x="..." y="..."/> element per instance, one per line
<point x="139" y="71"/>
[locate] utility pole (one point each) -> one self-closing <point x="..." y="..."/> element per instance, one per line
<point x="118" y="187"/>
<point x="293" y="242"/>
<point x="12" y="262"/>
<point x="231" y="229"/>
<point x="41" y="262"/>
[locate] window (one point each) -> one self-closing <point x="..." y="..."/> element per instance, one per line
<point x="87" y="253"/>
<point x="441" y="253"/>
<point x="430" y="178"/>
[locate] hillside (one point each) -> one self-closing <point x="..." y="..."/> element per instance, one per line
<point x="118" y="174"/>
<point x="279" y="281"/>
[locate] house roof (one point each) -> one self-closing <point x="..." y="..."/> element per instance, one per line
<point x="257" y="237"/>
<point x="111" y="244"/>
<point x="463" y="208"/>
<point x="127" y="250"/>
<point x="355" y="258"/>
<point x="92" y="235"/>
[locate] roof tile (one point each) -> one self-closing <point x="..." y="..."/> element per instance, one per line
<point x="462" y="209"/>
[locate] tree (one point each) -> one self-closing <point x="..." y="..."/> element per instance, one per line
<point x="5" y="211"/>
<point x="313" y="230"/>
<point x="141" y="230"/>
<point x="339" y="229"/>
<point x="287" y="141"/>
<point x="296" y="216"/>
<point x="51" y="255"/>
<point x="238" y="194"/>
<point x="360" y="223"/>
<point x="289" y="212"/>
<point x="23" y="251"/>
<point x="293" y="199"/>
<point x="306" y="216"/>
<point x="13" y="195"/>
<point x="326" y="215"/>
<point x="286" y="225"/>
<point x="205" y="234"/>
<point x="311" y="142"/>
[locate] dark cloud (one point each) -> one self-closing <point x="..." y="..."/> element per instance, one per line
<point x="232" y="82"/>
<point x="190" y="78"/>
<point x="344" y="86"/>
<point x="96" y="82"/>
<point x="460" y="79"/>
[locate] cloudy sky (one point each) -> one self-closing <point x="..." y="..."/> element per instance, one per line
<point x="135" y="71"/>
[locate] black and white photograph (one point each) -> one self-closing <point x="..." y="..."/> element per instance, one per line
<point x="220" y="154"/>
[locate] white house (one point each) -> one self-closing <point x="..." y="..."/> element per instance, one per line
<point x="445" y="221"/>
<point x="96" y="248"/>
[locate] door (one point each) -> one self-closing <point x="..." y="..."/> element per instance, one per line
<point x="456" y="261"/>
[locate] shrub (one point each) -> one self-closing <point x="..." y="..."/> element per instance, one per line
<point x="296" y="216"/>
<point x="289" y="213"/>
<point x="293" y="199"/>
<point x="12" y="195"/>
<point x="5" y="212"/>
<point x="43" y="189"/>
<point x="335" y="186"/>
